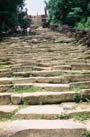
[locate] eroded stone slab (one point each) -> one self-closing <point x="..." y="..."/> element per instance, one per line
<point x="47" y="97"/>
<point x="53" y="111"/>
<point x="5" y="98"/>
<point x="42" y="128"/>
<point x="16" y="99"/>
<point x="6" y="110"/>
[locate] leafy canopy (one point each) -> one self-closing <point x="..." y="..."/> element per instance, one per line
<point x="68" y="11"/>
<point x="9" y="12"/>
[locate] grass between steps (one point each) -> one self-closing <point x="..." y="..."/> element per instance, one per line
<point x="9" y="116"/>
<point x="81" y="116"/>
<point x="5" y="66"/>
<point x="27" y="89"/>
<point x="78" y="117"/>
<point x="87" y="134"/>
<point x="77" y="88"/>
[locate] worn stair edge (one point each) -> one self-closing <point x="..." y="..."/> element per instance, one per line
<point x="57" y="79"/>
<point x="50" y="72"/>
<point x="42" y="97"/>
<point x="53" y="111"/>
<point x="7" y="110"/>
<point x="42" y="128"/>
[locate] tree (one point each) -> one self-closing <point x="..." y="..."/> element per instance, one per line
<point x="68" y="11"/>
<point x="9" y="13"/>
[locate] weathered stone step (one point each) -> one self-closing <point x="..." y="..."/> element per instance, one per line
<point x="48" y="56"/>
<point x="40" y="49"/>
<point x="29" y="68"/>
<point x="5" y="88"/>
<point x="8" y="110"/>
<point x="5" y="73"/>
<point x="47" y="73"/>
<point x="63" y="79"/>
<point x="36" y="86"/>
<point x="5" y="98"/>
<point x="53" y="111"/>
<point x="38" y="98"/>
<point x="63" y="66"/>
<point x="83" y="84"/>
<point x="51" y="61"/>
<point x="49" y="52"/>
<point x="81" y="66"/>
<point x="46" y="86"/>
<point x="3" y="63"/>
<point x="5" y="81"/>
<point x="76" y="64"/>
<point x="42" y="98"/>
<point x="42" y="128"/>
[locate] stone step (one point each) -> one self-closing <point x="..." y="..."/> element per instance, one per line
<point x="43" y="98"/>
<point x="8" y="110"/>
<point x="56" y="79"/>
<point x="5" y="98"/>
<point x="47" y="49"/>
<point x="53" y="111"/>
<point x="42" y="128"/>
<point x="83" y="84"/>
<point x="83" y="66"/>
<point x="41" y="59"/>
<point x="33" y="67"/>
<point x="5" y="73"/>
<point x="5" y="81"/>
<point x="49" y="56"/>
<point x="5" y="88"/>
<point x="69" y="110"/>
<point x="44" y="86"/>
<point x="75" y="66"/>
<point x="47" y="73"/>
<point x="38" y="98"/>
<point x="24" y="68"/>
<point x="3" y="63"/>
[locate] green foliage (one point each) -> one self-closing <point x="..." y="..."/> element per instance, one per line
<point x="9" y="10"/>
<point x="63" y="116"/>
<point x="83" y="24"/>
<point x="81" y="116"/>
<point x="68" y="12"/>
<point x="77" y="97"/>
<point x="77" y="88"/>
<point x="87" y="134"/>
<point x="27" y="89"/>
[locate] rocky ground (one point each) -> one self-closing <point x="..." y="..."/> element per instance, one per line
<point x="44" y="86"/>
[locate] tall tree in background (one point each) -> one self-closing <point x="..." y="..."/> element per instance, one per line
<point x="68" y="11"/>
<point x="9" y="13"/>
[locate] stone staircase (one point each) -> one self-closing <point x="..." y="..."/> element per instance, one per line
<point x="44" y="86"/>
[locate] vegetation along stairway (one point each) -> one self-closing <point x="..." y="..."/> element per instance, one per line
<point x="44" y="86"/>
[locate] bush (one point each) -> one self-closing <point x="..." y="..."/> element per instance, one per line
<point x="83" y="24"/>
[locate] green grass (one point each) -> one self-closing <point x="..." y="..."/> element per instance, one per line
<point x="8" y="117"/>
<point x="77" y="88"/>
<point x="27" y="89"/>
<point x="77" y="97"/>
<point x="78" y="116"/>
<point x="81" y="116"/>
<point x="63" y="116"/>
<point x="5" y="66"/>
<point x="87" y="134"/>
